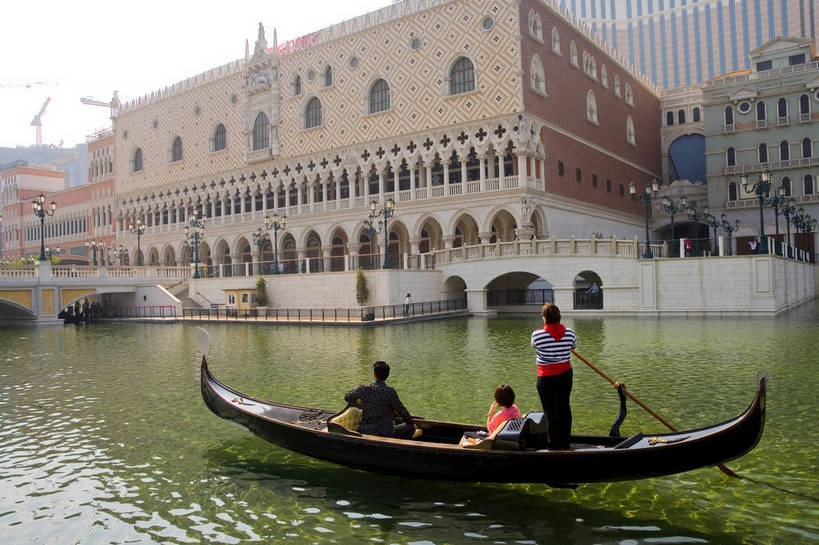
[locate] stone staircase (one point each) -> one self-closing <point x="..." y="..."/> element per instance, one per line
<point x="187" y="302"/>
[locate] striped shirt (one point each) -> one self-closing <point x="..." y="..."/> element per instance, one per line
<point x="553" y="344"/>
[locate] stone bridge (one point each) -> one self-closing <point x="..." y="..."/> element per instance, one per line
<point x="37" y="293"/>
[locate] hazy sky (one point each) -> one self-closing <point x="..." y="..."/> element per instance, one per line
<point x="92" y="48"/>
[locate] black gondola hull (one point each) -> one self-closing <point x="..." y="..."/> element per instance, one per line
<point x="592" y="459"/>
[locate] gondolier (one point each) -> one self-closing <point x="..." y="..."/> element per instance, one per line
<point x="553" y="345"/>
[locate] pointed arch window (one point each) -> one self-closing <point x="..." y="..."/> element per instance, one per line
<point x="328" y="76"/>
<point x="591" y="107"/>
<point x="782" y="108"/>
<point x="763" y="153"/>
<point x="261" y="133"/>
<point x="731" y="157"/>
<point x="462" y="77"/>
<point x="604" y="76"/>
<point x="176" y="149"/>
<point x="219" y="138"/>
<point x="296" y="86"/>
<point x="312" y="114"/>
<point x="786" y="186"/>
<point x="535" y="26"/>
<point x="629" y="95"/>
<point x="761" y="111"/>
<point x="732" y="191"/>
<point x="630" y="136"/>
<point x="729" y="116"/>
<point x="537" y="76"/>
<point x="137" y="163"/>
<point x="573" y="54"/>
<point x="784" y="151"/>
<point x="555" y="41"/>
<point x="379" y="96"/>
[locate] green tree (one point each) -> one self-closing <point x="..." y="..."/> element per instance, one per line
<point x="362" y="290"/>
<point x="261" y="292"/>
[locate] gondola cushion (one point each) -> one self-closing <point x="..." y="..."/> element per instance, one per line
<point x="348" y="420"/>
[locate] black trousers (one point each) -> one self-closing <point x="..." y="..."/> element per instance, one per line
<point x="554" y="392"/>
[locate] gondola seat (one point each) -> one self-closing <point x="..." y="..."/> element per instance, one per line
<point x="345" y="421"/>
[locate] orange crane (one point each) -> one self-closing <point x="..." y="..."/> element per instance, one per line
<point x="37" y="122"/>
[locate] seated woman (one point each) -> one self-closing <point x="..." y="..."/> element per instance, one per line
<point x="504" y="398"/>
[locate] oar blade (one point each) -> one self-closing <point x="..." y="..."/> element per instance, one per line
<point x="202" y="341"/>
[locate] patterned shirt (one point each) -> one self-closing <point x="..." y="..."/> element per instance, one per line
<point x="378" y="402"/>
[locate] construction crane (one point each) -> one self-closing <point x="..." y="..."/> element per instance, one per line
<point x="37" y="122"/>
<point x="114" y="103"/>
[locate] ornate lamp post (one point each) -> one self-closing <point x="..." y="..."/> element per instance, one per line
<point x="729" y="228"/>
<point x="695" y="219"/>
<point x="194" y="232"/>
<point x="276" y="223"/>
<point x="761" y="188"/>
<point x="138" y="230"/>
<point x="260" y="236"/>
<point x="38" y="204"/>
<point x="648" y="195"/>
<point x="789" y="211"/>
<point x="715" y="224"/>
<point x="93" y="245"/>
<point x="387" y="211"/>
<point x="672" y="208"/>
<point x="776" y="202"/>
<point x="117" y="252"/>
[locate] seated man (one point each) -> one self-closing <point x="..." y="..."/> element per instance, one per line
<point x="378" y="401"/>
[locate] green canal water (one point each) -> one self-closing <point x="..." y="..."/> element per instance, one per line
<point x="104" y="438"/>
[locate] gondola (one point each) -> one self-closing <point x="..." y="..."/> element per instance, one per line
<point x="515" y="454"/>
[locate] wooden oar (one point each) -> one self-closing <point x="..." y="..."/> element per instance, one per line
<point x="665" y="422"/>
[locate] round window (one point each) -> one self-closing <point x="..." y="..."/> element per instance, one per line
<point x="353" y="62"/>
<point x="415" y="44"/>
<point x="311" y="75"/>
<point x="488" y="23"/>
<point x="816" y="95"/>
<point x="744" y="107"/>
<point x="234" y="99"/>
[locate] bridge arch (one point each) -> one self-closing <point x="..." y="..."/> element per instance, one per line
<point x="585" y="295"/>
<point x="518" y="288"/>
<point x="9" y="310"/>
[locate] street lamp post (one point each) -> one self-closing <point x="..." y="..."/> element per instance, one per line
<point x="387" y="211"/>
<point x="194" y="231"/>
<point x="38" y="204"/>
<point x="730" y="228"/>
<point x="776" y="202"/>
<point x="116" y="252"/>
<point x="93" y="245"/>
<point x="715" y="224"/>
<point x="276" y="223"/>
<point x="695" y="218"/>
<point x="762" y="189"/>
<point x="138" y="230"/>
<point x="789" y="211"/>
<point x="260" y="236"/>
<point x="672" y="208"/>
<point x="648" y="195"/>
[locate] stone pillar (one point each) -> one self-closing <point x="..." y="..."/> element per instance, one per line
<point x="275" y="199"/>
<point x="327" y="254"/>
<point x="324" y="183"/>
<point x="501" y="166"/>
<point x="352" y="255"/>
<point x="299" y="197"/>
<point x="446" y="177"/>
<point x="337" y="183"/>
<point x="463" y="175"/>
<point x="381" y="185"/>
<point x="302" y="253"/>
<point x="476" y="301"/>
<point x="256" y="256"/>
<point x="522" y="179"/>
<point x="428" y="177"/>
<point x="396" y="181"/>
<point x="412" y="183"/>
<point x="482" y="171"/>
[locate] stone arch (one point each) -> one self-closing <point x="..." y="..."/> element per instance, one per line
<point x="222" y="255"/>
<point x="338" y="241"/>
<point x="430" y="234"/>
<point x="289" y="254"/>
<point x="588" y="290"/>
<point x="12" y="310"/>
<point x="517" y="288"/>
<point x="313" y="250"/>
<point x="464" y="229"/>
<point x="538" y="221"/>
<point x="502" y="223"/>
<point x="153" y="257"/>
<point x="168" y="254"/>
<point x="242" y="250"/>
<point x="399" y="242"/>
<point x="454" y="288"/>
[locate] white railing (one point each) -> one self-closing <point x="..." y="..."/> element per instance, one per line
<point x="18" y="271"/>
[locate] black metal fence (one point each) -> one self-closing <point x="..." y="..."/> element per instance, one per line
<point x="495" y="298"/>
<point x="358" y="314"/>
<point x="583" y="300"/>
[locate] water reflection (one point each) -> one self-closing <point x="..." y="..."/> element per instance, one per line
<point x="105" y="439"/>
